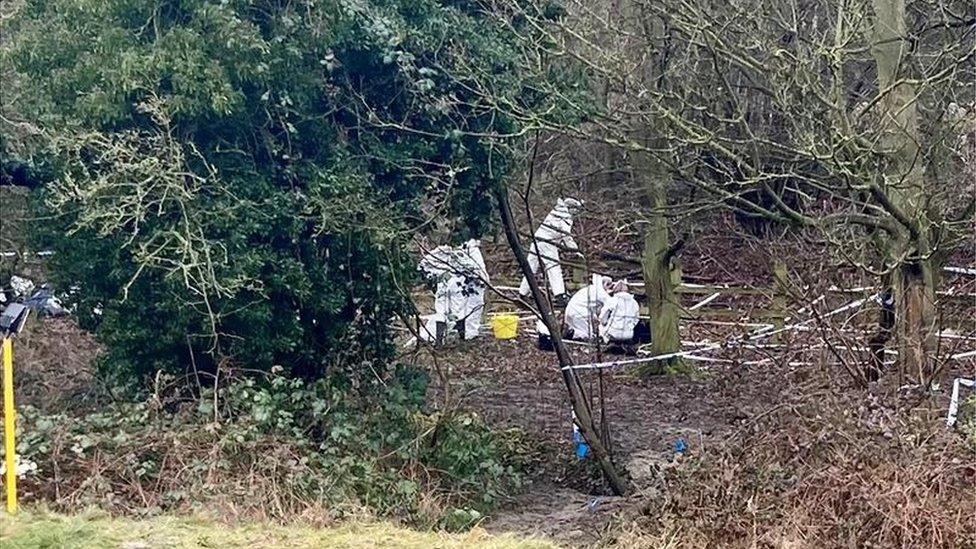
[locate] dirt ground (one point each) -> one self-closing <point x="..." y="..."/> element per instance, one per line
<point x="511" y="383"/>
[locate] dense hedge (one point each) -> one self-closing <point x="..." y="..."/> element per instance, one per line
<point x="240" y="181"/>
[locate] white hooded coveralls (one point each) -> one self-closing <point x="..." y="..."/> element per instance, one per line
<point x="618" y="317"/>
<point x="554" y="233"/>
<point x="443" y="264"/>
<point x="449" y="305"/>
<point x="584" y="307"/>
<point x="474" y="307"/>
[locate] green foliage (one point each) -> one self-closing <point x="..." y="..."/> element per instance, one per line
<point x="278" y="448"/>
<point x="240" y="181"/>
<point x="460" y="519"/>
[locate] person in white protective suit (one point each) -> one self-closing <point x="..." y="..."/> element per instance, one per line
<point x="583" y="309"/>
<point x="474" y="304"/>
<point x="554" y="233"/>
<point x="449" y="306"/>
<point x="619" y="315"/>
<point x="442" y="264"/>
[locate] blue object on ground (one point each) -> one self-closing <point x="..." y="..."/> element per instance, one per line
<point x="582" y="448"/>
<point x="680" y="446"/>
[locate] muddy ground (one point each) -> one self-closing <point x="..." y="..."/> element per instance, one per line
<point x="513" y="384"/>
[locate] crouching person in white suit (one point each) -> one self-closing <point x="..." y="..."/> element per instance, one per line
<point x="581" y="317"/>
<point x="583" y="309"/>
<point x="619" y="315"/>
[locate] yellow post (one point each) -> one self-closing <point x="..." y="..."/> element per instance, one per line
<point x="8" y="425"/>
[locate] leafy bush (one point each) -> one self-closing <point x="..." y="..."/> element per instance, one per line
<point x="235" y="186"/>
<point x="278" y="450"/>
<point x="240" y="181"/>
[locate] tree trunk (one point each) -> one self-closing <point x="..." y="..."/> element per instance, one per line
<point x="577" y="397"/>
<point x="904" y="186"/>
<point x="650" y="175"/>
<point x="659" y="258"/>
<point x="915" y="318"/>
<point x="661" y="275"/>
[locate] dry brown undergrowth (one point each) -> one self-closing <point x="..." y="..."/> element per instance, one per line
<point x="827" y="469"/>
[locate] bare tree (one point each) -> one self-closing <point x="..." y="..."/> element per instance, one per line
<point x="831" y="117"/>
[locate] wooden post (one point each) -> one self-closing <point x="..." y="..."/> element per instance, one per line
<point x="441" y="336"/>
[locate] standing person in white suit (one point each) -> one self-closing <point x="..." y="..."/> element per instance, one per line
<point x="619" y="315"/>
<point x="474" y="307"/>
<point x="442" y="264"/>
<point x="554" y="233"/>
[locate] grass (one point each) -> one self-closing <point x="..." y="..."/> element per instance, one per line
<point x="98" y="530"/>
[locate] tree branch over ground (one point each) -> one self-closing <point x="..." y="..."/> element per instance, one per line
<point x="577" y="395"/>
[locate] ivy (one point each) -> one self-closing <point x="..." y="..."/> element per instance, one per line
<point x="313" y="442"/>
